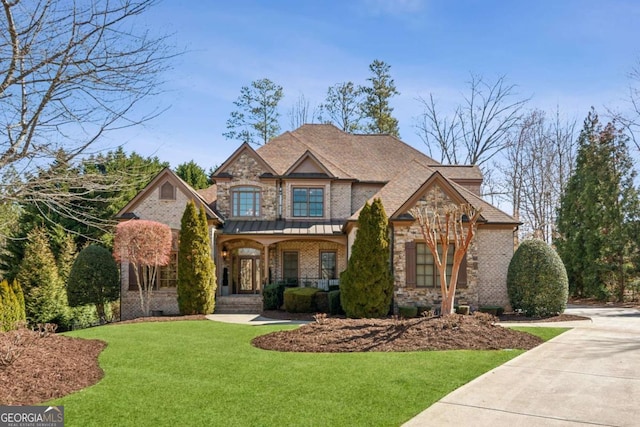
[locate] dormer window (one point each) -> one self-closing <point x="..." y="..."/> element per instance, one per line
<point x="245" y="201"/>
<point x="167" y="191"/>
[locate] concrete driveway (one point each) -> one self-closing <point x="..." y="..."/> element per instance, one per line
<point x="587" y="376"/>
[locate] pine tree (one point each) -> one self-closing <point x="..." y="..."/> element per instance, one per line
<point x="196" y="276"/>
<point x="366" y="286"/>
<point x="44" y="293"/>
<point x="375" y="106"/>
<point x="597" y="214"/>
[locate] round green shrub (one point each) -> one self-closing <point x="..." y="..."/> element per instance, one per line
<point x="537" y="280"/>
<point x="94" y="279"/>
<point x="408" y="312"/>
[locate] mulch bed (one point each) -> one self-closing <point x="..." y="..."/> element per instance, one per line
<point x="512" y="317"/>
<point x="453" y="332"/>
<point x="163" y="319"/>
<point x="46" y="367"/>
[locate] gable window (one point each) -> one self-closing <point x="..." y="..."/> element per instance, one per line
<point x="422" y="271"/>
<point x="327" y="265"/>
<point x="245" y="201"/>
<point x="167" y="191"/>
<point x="308" y="202"/>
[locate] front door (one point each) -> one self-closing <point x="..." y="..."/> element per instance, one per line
<point x="249" y="274"/>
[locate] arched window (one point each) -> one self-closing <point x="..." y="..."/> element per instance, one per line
<point x="167" y="191"/>
<point x="245" y="201"/>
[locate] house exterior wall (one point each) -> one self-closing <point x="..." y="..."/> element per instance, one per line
<point x="246" y="171"/>
<point x="361" y="192"/>
<point x="495" y="250"/>
<point x="167" y="212"/>
<point x="405" y="295"/>
<point x="340" y="200"/>
<point x="308" y="257"/>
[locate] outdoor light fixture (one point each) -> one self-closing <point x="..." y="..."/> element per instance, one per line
<point x="225" y="253"/>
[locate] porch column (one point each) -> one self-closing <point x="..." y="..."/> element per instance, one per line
<point x="265" y="268"/>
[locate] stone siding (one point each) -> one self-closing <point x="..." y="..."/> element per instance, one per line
<point x="246" y="171"/>
<point x="495" y="250"/>
<point x="430" y="296"/>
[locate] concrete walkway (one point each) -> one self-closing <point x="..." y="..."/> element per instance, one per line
<point x="252" y="319"/>
<point x="587" y="376"/>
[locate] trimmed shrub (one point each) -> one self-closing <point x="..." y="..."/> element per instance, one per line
<point x="300" y="300"/>
<point x="334" y="303"/>
<point x="321" y="301"/>
<point x="271" y="297"/>
<point x="495" y="310"/>
<point x="408" y="312"/>
<point x="537" y="280"/>
<point x="94" y="279"/>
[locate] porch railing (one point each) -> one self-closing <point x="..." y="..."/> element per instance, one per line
<point x="309" y="282"/>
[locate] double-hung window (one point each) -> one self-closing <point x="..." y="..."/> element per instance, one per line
<point x="427" y="274"/>
<point x="328" y="265"/>
<point x="308" y="202"/>
<point x="245" y="201"/>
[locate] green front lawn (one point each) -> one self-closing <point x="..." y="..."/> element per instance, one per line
<point x="204" y="373"/>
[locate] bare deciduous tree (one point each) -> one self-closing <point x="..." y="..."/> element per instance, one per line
<point x="454" y="225"/>
<point x="70" y="72"/>
<point x="539" y="161"/>
<point x="478" y="128"/>
<point x="301" y="113"/>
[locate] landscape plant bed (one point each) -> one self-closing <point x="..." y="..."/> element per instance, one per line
<point x="46" y="367"/>
<point x="453" y="332"/>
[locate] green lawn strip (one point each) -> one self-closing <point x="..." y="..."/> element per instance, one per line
<point x="546" y="333"/>
<point x="207" y="373"/>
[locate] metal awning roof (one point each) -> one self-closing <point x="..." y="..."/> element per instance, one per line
<point x="284" y="227"/>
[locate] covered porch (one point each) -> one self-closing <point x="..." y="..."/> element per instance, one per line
<point x="252" y="254"/>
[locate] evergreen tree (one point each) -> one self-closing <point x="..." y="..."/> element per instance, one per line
<point x="44" y="293"/>
<point x="193" y="174"/>
<point x="375" y="106"/>
<point x="9" y="311"/>
<point x="17" y="291"/>
<point x="94" y="279"/>
<point x="196" y="275"/>
<point x="597" y="214"/>
<point x="366" y="286"/>
<point x="256" y="119"/>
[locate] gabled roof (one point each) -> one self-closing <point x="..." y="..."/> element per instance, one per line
<point x="369" y="158"/>
<point x="404" y="190"/>
<point x="128" y="211"/>
<point x="308" y="164"/>
<point x="244" y="148"/>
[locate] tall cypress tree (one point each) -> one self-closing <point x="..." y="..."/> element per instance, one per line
<point x="598" y="213"/>
<point x="196" y="275"/>
<point x="366" y="286"/>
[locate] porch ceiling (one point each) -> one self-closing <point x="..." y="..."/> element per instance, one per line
<point x="284" y="227"/>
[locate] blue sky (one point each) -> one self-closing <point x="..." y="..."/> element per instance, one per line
<point x="571" y="53"/>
